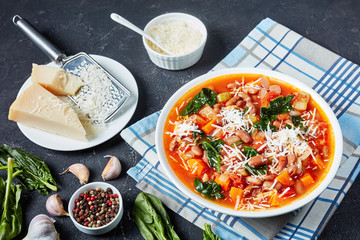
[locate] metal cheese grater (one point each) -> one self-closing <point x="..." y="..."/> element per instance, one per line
<point x="119" y="94"/>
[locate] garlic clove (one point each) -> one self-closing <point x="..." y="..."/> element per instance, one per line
<point x="112" y="169"/>
<point x="42" y="228"/>
<point x="80" y="171"/>
<point x="55" y="207"/>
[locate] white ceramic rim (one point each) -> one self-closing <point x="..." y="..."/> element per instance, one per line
<point x="199" y="25"/>
<point x="253" y="214"/>
<point x="94" y="185"/>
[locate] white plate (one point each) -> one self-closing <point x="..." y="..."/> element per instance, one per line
<point x="114" y="126"/>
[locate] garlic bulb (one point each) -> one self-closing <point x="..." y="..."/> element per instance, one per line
<point x="42" y="228"/>
<point x="55" y="207"/>
<point x="80" y="171"/>
<point x="112" y="169"/>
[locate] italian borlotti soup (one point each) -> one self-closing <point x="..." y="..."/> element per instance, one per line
<point x="248" y="142"/>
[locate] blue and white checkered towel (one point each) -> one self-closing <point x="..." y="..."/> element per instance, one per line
<point x="271" y="46"/>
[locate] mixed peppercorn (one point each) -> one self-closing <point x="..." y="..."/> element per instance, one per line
<point x="96" y="208"/>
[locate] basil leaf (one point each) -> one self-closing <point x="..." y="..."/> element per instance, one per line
<point x="205" y="96"/>
<point x="209" y="189"/>
<point x="213" y="152"/>
<point x="259" y="170"/>
<point x="250" y="152"/>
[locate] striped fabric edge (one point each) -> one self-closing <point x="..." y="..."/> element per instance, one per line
<point x="148" y="180"/>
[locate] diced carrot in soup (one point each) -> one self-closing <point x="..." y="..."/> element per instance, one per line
<point x="307" y="179"/>
<point x="209" y="126"/>
<point x="236" y="193"/>
<point x="197" y="166"/>
<point x="285" y="178"/>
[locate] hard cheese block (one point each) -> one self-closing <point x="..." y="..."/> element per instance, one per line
<point x="36" y="107"/>
<point x="56" y="80"/>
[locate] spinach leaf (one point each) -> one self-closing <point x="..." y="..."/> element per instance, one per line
<point x="209" y="189"/>
<point x="11" y="214"/>
<point x="199" y="137"/>
<point x="281" y="104"/>
<point x="276" y="106"/>
<point x="237" y="143"/>
<point x="156" y="203"/>
<point x="152" y="219"/>
<point x="205" y="96"/>
<point x="213" y="152"/>
<point x="250" y="152"/>
<point x="259" y="170"/>
<point x="263" y="125"/>
<point x="297" y="121"/>
<point x="36" y="174"/>
<point x="208" y="234"/>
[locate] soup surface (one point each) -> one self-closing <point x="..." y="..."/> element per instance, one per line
<point x="248" y="142"/>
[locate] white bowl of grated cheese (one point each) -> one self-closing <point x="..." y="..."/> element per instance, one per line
<point x="180" y="33"/>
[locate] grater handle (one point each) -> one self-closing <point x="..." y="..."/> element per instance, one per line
<point x="45" y="45"/>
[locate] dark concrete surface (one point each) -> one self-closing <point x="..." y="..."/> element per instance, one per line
<point x="84" y="25"/>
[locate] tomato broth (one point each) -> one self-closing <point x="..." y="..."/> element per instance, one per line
<point x="256" y="142"/>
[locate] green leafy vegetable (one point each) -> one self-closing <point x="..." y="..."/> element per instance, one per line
<point x="238" y="143"/>
<point x="250" y="152"/>
<point x="35" y="173"/>
<point x="213" y="154"/>
<point x="199" y="137"/>
<point x="263" y="125"/>
<point x="276" y="106"/>
<point x="259" y="170"/>
<point x="208" y="234"/>
<point x="152" y="219"/>
<point x="209" y="189"/>
<point x="11" y="212"/>
<point x="205" y="96"/>
<point x="298" y="121"/>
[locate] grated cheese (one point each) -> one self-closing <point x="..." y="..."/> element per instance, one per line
<point x="184" y="128"/>
<point x="95" y="100"/>
<point x="176" y="36"/>
<point x="284" y="142"/>
<point x="234" y="119"/>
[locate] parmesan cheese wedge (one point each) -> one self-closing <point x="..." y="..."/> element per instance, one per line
<point x="56" y="80"/>
<point x="38" y="108"/>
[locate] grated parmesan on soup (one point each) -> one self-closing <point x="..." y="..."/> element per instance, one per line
<point x="176" y="36"/>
